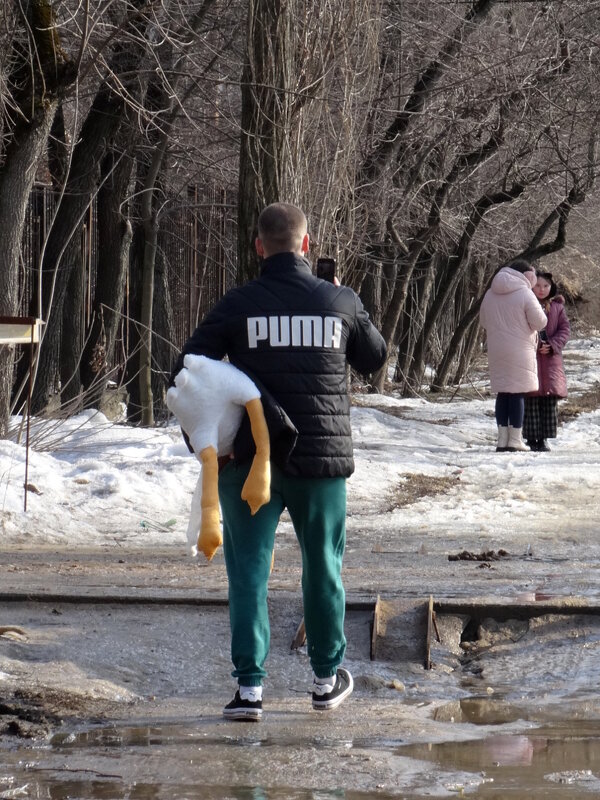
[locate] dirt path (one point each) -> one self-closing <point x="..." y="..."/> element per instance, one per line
<point x="138" y="667"/>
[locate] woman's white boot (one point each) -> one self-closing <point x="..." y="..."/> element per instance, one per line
<point x="515" y="440"/>
<point x="502" y="438"/>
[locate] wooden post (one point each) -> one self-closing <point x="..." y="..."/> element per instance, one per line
<point x="23" y="330"/>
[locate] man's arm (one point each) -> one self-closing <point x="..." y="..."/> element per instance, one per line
<point x="209" y="339"/>
<point x="367" y="350"/>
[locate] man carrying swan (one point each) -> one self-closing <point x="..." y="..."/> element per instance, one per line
<point x="294" y="335"/>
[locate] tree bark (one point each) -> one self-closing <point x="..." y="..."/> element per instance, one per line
<point x="150" y="229"/>
<point x="114" y="239"/>
<point x="16" y="181"/>
<point x="39" y="72"/>
<point x="265" y="121"/>
<point x="163" y="351"/>
<point x="161" y="97"/>
<point x="71" y="329"/>
<point x="98" y="131"/>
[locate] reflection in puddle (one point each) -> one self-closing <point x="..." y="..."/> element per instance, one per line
<point x="180" y="735"/>
<point x="540" y="765"/>
<point x="95" y="790"/>
<point x="480" y="711"/>
<point x="172" y="762"/>
<point x="60" y="789"/>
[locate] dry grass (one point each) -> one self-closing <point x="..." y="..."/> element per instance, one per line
<point x="580" y="404"/>
<point x="405" y="413"/>
<point x="415" y="486"/>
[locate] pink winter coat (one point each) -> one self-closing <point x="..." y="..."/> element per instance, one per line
<point x="511" y="315"/>
<point x="551" y="373"/>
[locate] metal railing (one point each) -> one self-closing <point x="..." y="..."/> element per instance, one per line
<point x="197" y="243"/>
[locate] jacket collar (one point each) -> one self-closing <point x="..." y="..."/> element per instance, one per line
<point x="285" y="262"/>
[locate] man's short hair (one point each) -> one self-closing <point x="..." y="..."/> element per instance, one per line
<point x="281" y="228"/>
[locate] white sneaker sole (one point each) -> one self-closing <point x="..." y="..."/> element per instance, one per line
<point x="329" y="705"/>
<point x="248" y="714"/>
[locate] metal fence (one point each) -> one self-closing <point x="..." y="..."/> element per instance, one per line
<point x="197" y="243"/>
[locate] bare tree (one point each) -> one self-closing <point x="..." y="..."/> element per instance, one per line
<point x="62" y="254"/>
<point x="428" y="142"/>
<point x="34" y="72"/>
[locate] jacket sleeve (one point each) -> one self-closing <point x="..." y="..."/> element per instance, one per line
<point x="562" y="332"/>
<point x="536" y="319"/>
<point x="209" y="339"/>
<point x="366" y="350"/>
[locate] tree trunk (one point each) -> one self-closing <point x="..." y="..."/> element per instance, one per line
<point x="397" y="303"/>
<point x="468" y="344"/>
<point x="35" y="83"/>
<point x="71" y="333"/>
<point x="114" y="240"/>
<point x="160" y="97"/>
<point x="16" y="181"/>
<point x="164" y="352"/>
<point x="266" y="123"/>
<point x="415" y="366"/>
<point x="455" y="265"/>
<point x="441" y="376"/>
<point x="136" y="260"/>
<point x="98" y="131"/>
<point x="145" y="376"/>
<point x="249" y="204"/>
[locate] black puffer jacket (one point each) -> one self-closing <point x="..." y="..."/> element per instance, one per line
<point x="294" y="334"/>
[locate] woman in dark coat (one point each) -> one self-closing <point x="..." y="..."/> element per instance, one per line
<point x="541" y="407"/>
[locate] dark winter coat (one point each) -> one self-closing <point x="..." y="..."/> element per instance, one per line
<point x="551" y="373"/>
<point x="294" y="335"/>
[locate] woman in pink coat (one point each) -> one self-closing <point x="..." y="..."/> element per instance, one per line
<point x="512" y="316"/>
<point x="541" y="407"/>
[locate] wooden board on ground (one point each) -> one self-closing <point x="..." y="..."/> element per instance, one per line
<point x="400" y="631"/>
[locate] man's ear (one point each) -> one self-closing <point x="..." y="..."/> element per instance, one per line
<point x="304" y="246"/>
<point x="260" y="250"/>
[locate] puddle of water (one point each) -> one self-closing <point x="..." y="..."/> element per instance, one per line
<point x="546" y="764"/>
<point x="96" y="790"/>
<point x="179" y="735"/>
<point x="171" y="761"/>
<point x="58" y="788"/>
<point x="480" y="711"/>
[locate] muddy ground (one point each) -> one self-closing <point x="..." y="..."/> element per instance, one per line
<point x="114" y="667"/>
<point x="114" y="661"/>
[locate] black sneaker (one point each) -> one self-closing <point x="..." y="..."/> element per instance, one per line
<point x="343" y="687"/>
<point x="248" y="710"/>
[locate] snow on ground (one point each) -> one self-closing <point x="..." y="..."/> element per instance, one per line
<point x="94" y="483"/>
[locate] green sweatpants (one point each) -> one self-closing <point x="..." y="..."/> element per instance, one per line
<point x="317" y="507"/>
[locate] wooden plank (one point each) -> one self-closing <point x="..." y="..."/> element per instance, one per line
<point x="375" y="627"/>
<point x="20" y="320"/>
<point x="430" y="613"/>
<point x="400" y="631"/>
<point x="482" y="608"/>
<point x="299" y="639"/>
<point x="20" y="330"/>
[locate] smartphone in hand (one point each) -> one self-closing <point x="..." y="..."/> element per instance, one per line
<point x="326" y="269"/>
